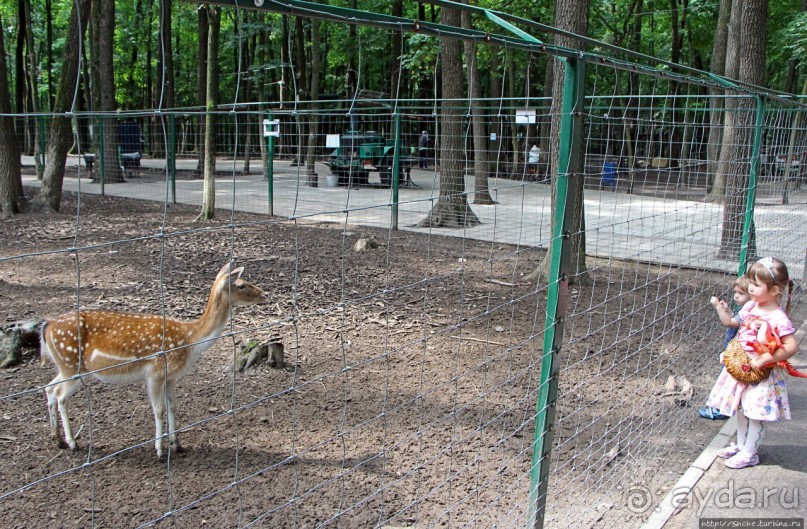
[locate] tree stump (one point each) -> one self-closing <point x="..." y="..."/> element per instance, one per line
<point x="254" y="353"/>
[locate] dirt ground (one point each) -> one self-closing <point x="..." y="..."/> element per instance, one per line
<point x="409" y="392"/>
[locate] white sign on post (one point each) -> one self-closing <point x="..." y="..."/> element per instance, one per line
<point x="525" y="117"/>
<point x="332" y="141"/>
<point x="271" y="128"/>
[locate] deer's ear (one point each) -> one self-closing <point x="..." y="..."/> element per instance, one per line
<point x="236" y="274"/>
<point x="225" y="269"/>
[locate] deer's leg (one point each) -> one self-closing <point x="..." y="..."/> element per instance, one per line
<point x="170" y="399"/>
<point x="57" y="397"/>
<point x="156" y="390"/>
<point x="50" y="392"/>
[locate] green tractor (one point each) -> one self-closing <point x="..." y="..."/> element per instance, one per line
<point x="360" y="153"/>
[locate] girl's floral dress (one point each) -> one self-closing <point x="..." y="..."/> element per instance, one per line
<point x="766" y="400"/>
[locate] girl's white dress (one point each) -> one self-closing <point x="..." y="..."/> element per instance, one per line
<point x="766" y="400"/>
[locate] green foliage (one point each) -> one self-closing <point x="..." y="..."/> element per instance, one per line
<point x="795" y="36"/>
<point x="370" y="51"/>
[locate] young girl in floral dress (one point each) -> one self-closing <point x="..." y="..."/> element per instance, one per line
<point x="767" y="400"/>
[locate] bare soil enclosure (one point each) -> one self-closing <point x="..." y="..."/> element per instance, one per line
<point x="410" y="389"/>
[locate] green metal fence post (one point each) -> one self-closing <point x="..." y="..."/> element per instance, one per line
<point x="172" y="155"/>
<point x="396" y="169"/>
<point x="750" y="199"/>
<point x="568" y="178"/>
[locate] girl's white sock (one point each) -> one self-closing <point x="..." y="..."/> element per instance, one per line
<point x="753" y="437"/>
<point x="742" y="428"/>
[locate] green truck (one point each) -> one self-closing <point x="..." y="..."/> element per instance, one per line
<point x="360" y="153"/>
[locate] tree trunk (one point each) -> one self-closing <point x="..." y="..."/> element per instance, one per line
<point x="301" y="87"/>
<point x="397" y="47"/>
<point x="33" y="90"/>
<point x="245" y="94"/>
<point x="202" y="28"/>
<point x="717" y="67"/>
<point x="212" y="90"/>
<point x="544" y="129"/>
<point x="674" y="135"/>
<point x="166" y="24"/>
<point x="164" y="88"/>
<point x="49" y="30"/>
<point x="262" y="52"/>
<point x="570" y="15"/>
<point x="316" y="54"/>
<point x="106" y="87"/>
<point x="131" y="81"/>
<point x="734" y="40"/>
<point x="511" y="93"/>
<point x="50" y="193"/>
<point x="19" y="60"/>
<point x="452" y="209"/>
<point x="753" y="26"/>
<point x="10" y="178"/>
<point x="479" y="128"/>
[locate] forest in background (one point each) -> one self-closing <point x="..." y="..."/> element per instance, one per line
<point x="274" y="53"/>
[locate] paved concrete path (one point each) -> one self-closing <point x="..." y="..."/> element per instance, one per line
<point x="644" y="228"/>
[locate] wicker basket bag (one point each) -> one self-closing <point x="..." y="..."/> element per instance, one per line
<point x="738" y="364"/>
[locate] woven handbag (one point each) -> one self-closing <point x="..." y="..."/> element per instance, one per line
<point x="738" y="364"/>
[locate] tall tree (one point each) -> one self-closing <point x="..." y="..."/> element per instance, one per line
<point x="572" y="17"/>
<point x="717" y="67"/>
<point x="212" y="103"/>
<point x="33" y="125"/>
<point x="754" y="28"/>
<point x="452" y="209"/>
<point x="478" y="121"/>
<point x="734" y="43"/>
<point x="164" y="87"/>
<point x="397" y="50"/>
<point x="60" y="138"/>
<point x="166" y="51"/>
<point x="301" y="87"/>
<point x="313" y="91"/>
<point x="10" y="178"/>
<point x="202" y="30"/>
<point x="49" y="29"/>
<point x="107" y="101"/>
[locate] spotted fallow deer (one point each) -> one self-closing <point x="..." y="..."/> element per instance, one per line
<point x="124" y="348"/>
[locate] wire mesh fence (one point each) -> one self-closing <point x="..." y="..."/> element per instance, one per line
<point x="411" y="384"/>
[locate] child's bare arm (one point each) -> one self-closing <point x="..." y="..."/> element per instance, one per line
<point x="724" y="313"/>
<point x="788" y="349"/>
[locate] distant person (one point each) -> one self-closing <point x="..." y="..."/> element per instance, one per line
<point x="423" y="150"/>
<point x="728" y="319"/>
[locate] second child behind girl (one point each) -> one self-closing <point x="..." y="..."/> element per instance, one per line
<point x="731" y="320"/>
<point x="766" y="400"/>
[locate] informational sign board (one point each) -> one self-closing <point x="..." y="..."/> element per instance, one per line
<point x="271" y="128"/>
<point x="525" y="116"/>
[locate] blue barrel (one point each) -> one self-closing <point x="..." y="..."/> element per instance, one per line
<point x="609" y="174"/>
